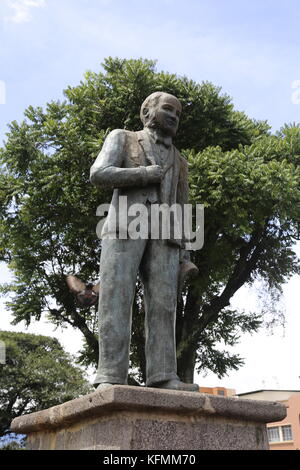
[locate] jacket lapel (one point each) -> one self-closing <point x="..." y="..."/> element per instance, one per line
<point x="175" y="176"/>
<point x="149" y="151"/>
<point x="149" y="156"/>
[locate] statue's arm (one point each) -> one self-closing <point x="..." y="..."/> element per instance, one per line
<point x="107" y="170"/>
<point x="182" y="199"/>
<point x="187" y="268"/>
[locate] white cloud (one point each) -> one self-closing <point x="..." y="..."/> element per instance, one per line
<point x="22" y="9"/>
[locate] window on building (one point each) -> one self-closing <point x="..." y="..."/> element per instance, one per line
<point x="273" y="434"/>
<point x="287" y="433"/>
<point x="280" y="433"/>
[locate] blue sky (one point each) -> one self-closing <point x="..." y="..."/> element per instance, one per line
<point x="250" y="49"/>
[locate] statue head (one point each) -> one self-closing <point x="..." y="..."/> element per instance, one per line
<point x="161" y="111"/>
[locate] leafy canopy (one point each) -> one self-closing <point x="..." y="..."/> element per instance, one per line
<point x="37" y="375"/>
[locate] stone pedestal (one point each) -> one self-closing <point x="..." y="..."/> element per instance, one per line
<point x="134" y="418"/>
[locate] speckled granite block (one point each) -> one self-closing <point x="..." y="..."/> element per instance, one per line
<point x="134" y="418"/>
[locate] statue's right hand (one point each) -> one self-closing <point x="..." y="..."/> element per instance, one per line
<point x="154" y="173"/>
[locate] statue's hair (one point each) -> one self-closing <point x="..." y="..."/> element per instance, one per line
<point x="147" y="113"/>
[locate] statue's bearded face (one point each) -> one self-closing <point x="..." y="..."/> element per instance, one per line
<point x="167" y="115"/>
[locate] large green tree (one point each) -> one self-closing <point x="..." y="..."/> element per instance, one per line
<point x="247" y="179"/>
<point x="37" y="374"/>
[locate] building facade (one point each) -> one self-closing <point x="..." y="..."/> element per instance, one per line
<point x="221" y="391"/>
<point x="283" y="435"/>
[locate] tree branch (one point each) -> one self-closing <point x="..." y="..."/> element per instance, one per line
<point x="246" y="264"/>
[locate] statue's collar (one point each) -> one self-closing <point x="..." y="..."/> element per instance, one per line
<point x="158" y="138"/>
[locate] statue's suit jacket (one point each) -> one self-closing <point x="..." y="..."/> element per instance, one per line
<point x="122" y="165"/>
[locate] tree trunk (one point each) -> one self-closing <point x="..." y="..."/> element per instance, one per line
<point x="186" y="345"/>
<point x="186" y="365"/>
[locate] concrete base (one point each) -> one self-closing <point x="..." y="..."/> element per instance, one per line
<point x="134" y="418"/>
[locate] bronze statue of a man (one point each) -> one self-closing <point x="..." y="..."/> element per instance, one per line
<point x="145" y="167"/>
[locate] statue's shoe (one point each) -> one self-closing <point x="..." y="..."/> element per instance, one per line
<point x="175" y="384"/>
<point x="104" y="385"/>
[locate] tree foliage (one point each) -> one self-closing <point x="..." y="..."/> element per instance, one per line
<point x="38" y="374"/>
<point x="247" y="179"/>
